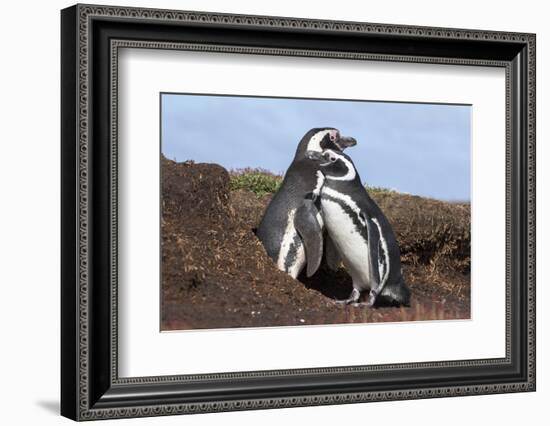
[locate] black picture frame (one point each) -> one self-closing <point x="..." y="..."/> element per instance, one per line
<point x="90" y="386"/>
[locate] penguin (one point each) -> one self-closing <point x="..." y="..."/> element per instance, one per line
<point x="291" y="229"/>
<point x="360" y="231"/>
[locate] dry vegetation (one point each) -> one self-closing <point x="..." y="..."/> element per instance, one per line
<point x="215" y="272"/>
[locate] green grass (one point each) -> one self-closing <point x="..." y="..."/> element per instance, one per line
<point x="261" y="182"/>
<point x="258" y="181"/>
<point x="379" y="190"/>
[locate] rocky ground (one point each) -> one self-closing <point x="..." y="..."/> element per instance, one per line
<point x="216" y="274"/>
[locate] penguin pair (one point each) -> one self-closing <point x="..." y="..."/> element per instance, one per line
<point x="292" y="227"/>
<point x="360" y="232"/>
<point x="321" y="209"/>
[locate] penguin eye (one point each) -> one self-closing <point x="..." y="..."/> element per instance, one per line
<point x="332" y="138"/>
<point x="333" y="159"/>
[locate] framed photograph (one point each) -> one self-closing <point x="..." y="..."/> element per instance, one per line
<point x="263" y="212"/>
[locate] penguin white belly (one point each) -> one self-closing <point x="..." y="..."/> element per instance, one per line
<point x="299" y="261"/>
<point x="292" y="256"/>
<point x="348" y="240"/>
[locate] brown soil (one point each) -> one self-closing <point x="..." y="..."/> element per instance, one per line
<point x="216" y="274"/>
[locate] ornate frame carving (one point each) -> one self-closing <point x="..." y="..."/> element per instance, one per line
<point x="85" y="396"/>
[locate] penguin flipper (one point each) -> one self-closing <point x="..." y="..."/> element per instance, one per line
<point x="332" y="256"/>
<point x="309" y="228"/>
<point x="373" y="259"/>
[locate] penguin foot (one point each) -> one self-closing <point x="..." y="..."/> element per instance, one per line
<point x="344" y="302"/>
<point x="373" y="295"/>
<point x="353" y="298"/>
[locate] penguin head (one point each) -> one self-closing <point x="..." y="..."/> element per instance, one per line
<point x="322" y="138"/>
<point x="334" y="164"/>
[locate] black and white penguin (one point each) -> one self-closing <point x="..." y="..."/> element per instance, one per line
<point x="291" y="229"/>
<point x="360" y="231"/>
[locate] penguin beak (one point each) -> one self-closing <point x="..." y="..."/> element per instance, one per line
<point x="346" y="142"/>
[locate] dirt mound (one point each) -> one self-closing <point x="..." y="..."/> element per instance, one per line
<point x="428" y="231"/>
<point x="194" y="189"/>
<point x="215" y="272"/>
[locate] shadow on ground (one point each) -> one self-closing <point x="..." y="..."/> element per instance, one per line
<point x="51" y="407"/>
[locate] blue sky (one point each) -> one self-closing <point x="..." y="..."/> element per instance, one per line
<point x="421" y="149"/>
